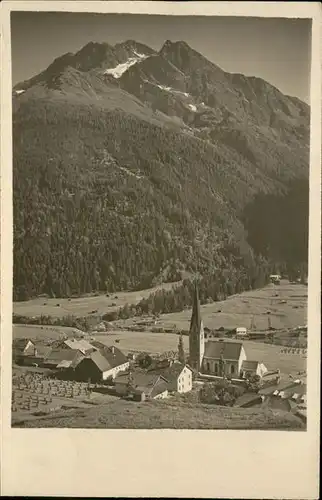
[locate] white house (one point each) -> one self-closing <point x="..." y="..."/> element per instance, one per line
<point x="102" y="364"/>
<point x="178" y="376"/>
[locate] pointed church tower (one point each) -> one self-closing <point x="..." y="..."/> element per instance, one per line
<point x="196" y="334"/>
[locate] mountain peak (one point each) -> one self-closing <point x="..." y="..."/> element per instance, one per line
<point x="170" y="46"/>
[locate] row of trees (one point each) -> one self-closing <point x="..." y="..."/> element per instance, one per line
<point x="212" y="287"/>
<point x="81" y="323"/>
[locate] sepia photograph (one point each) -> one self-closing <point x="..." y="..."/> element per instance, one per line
<point x="160" y="221"/>
<point x="160" y="249"/>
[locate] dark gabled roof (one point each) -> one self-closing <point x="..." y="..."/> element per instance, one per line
<point x="144" y="382"/>
<point x="58" y="355"/>
<point x="42" y="350"/>
<point x="107" y="358"/>
<point x="170" y="373"/>
<point x="159" y="388"/>
<point x="20" y="344"/>
<point x="229" y="350"/>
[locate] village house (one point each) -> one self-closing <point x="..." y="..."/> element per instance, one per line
<point x="21" y="347"/>
<point x="141" y="385"/>
<point x="62" y="359"/>
<point x="178" y="376"/>
<point x="253" y="368"/>
<point x="101" y="364"/>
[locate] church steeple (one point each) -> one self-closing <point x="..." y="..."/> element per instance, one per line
<point x="196" y="333"/>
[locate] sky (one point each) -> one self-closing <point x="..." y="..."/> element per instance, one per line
<point x="277" y="50"/>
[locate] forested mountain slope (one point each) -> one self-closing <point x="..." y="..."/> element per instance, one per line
<point x="132" y="165"/>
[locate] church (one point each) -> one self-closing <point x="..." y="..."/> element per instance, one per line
<point x="219" y="357"/>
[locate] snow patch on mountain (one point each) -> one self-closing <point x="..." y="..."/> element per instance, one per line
<point x="118" y="71"/>
<point x="170" y="89"/>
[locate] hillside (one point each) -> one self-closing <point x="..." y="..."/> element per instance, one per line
<point x="131" y="166"/>
<point x="166" y="415"/>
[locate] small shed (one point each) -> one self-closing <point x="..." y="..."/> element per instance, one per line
<point x="241" y="331"/>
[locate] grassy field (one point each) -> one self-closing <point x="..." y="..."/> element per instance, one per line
<point x="120" y="414"/>
<point x="156" y="343"/>
<point x="41" y="333"/>
<point x="83" y="305"/>
<point x="287" y="310"/>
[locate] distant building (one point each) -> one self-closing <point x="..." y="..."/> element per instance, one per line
<point x="141" y="385"/>
<point x="253" y="368"/>
<point x="80" y="345"/>
<point x="241" y="331"/>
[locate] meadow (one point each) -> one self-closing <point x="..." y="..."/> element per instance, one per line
<point x="285" y="305"/>
<point x="82" y="306"/>
<point x="168" y="414"/>
<point x="156" y="343"/>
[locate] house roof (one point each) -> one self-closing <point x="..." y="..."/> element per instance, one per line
<point x="250" y="365"/>
<point x="55" y="356"/>
<point x="170" y="373"/>
<point x="65" y="364"/>
<point x="229" y="350"/>
<point x="20" y="344"/>
<point x="287" y="387"/>
<point x="150" y="383"/>
<point x="107" y="358"/>
<point x="42" y="350"/>
<point x="79" y="344"/>
<point x="98" y="344"/>
<point x="159" y="388"/>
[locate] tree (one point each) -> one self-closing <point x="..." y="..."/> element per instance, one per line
<point x="253" y="382"/>
<point x="144" y="360"/>
<point x="181" y="354"/>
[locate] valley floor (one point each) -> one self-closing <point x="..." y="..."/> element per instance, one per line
<point x="287" y="309"/>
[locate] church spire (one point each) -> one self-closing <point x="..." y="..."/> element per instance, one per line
<point x="195" y="321"/>
<point x="196" y="333"/>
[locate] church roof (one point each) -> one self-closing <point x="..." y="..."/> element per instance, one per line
<point x="229" y="350"/>
<point x="195" y="323"/>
